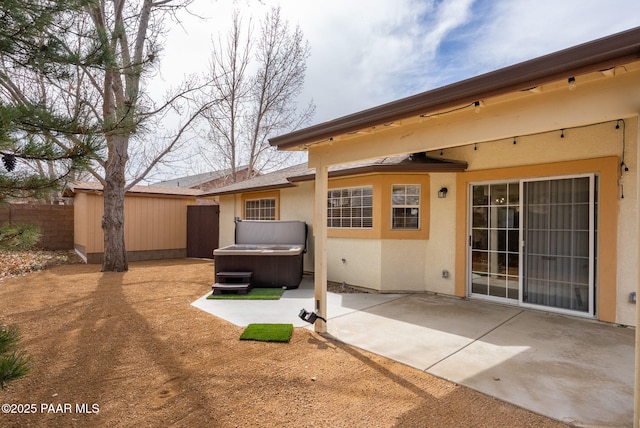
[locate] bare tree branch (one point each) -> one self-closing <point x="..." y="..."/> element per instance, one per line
<point x="254" y="106"/>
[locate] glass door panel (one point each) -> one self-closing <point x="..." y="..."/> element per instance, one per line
<point x="558" y="217"/>
<point x="495" y="223"/>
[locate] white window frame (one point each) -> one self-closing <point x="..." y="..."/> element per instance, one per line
<point x="260" y="209"/>
<point x="341" y="199"/>
<point x="406" y="205"/>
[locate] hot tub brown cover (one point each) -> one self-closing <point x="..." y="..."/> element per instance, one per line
<point x="278" y="232"/>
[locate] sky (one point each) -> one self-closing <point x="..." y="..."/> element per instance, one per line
<point x="365" y="53"/>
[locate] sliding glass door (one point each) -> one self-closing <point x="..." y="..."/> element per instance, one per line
<point x="558" y="247"/>
<point x="532" y="242"/>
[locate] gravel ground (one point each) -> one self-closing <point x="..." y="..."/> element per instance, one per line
<point x="127" y="349"/>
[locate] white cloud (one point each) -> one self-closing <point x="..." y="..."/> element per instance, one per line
<point x="364" y="52"/>
<point x="514" y="31"/>
<point x="368" y="52"/>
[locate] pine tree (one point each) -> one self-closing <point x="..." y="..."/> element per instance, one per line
<point x="34" y="128"/>
<point x="72" y="92"/>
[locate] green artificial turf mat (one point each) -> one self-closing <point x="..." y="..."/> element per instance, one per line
<point x="253" y="294"/>
<point x="268" y="332"/>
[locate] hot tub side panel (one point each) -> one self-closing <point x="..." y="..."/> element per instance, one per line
<point x="269" y="271"/>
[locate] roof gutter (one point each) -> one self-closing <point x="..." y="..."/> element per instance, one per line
<point x="597" y="55"/>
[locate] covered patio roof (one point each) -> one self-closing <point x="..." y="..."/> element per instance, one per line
<point x="599" y="55"/>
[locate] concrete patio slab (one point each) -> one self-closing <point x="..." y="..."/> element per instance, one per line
<point x="574" y="370"/>
<point x="286" y="310"/>
<point x="418" y="330"/>
<point x="578" y="371"/>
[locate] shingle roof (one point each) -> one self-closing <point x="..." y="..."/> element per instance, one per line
<point x="283" y="178"/>
<point x="196" y="180"/>
<point x="275" y="180"/>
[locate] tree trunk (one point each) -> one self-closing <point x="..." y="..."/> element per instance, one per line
<point x="115" y="254"/>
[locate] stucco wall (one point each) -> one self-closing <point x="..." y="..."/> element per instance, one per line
<point x="440" y="248"/>
<point x="628" y="229"/>
<point x="390" y="265"/>
<point x="228" y="211"/>
<point x="362" y="264"/>
<point x="591" y="141"/>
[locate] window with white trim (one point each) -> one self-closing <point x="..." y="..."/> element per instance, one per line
<point x="405" y="206"/>
<point x="350" y="207"/>
<point x="260" y="209"/>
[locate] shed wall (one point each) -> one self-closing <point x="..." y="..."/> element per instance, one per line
<point x="155" y="226"/>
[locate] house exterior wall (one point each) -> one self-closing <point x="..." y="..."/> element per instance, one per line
<point x="155" y="226"/>
<point x="440" y="248"/>
<point x="377" y="260"/>
<point x="579" y="137"/>
<point x="587" y="117"/>
<point x="591" y="149"/>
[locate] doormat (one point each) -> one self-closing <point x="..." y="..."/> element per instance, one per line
<point x="268" y="332"/>
<point x="253" y="294"/>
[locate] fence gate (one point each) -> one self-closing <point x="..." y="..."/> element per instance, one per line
<point x="202" y="230"/>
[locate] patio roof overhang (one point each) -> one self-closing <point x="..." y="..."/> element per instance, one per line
<point x="425" y="165"/>
<point x="599" y="55"/>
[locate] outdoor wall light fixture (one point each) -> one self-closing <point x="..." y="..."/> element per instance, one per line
<point x="572" y="83"/>
<point x="477" y="106"/>
<point x="442" y="193"/>
<point x="309" y="317"/>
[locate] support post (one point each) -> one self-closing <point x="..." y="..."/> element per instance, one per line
<point x="320" y="249"/>
<point x="636" y="389"/>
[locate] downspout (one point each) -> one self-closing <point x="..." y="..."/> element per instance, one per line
<point x="235" y="207"/>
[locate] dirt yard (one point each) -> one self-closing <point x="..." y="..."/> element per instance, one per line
<point x="127" y="349"/>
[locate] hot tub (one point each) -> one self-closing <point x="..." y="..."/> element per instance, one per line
<point x="272" y="251"/>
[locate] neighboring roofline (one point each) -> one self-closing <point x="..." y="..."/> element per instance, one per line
<point x="596" y="55"/>
<point x="95" y="187"/>
<point x="203" y="178"/>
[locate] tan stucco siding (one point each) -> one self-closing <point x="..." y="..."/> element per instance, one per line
<point x="607" y="170"/>
<point x="628" y="229"/>
<point x="362" y="263"/>
<point x="230" y="206"/>
<point x="551" y="109"/>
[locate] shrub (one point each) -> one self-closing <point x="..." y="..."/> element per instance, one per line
<point x="18" y="237"/>
<point x="14" y="364"/>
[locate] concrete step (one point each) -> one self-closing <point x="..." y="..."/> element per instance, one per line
<point x="240" y="287"/>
